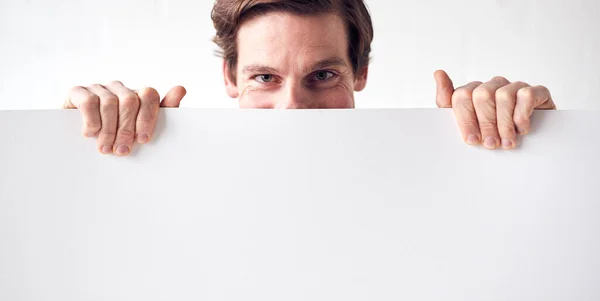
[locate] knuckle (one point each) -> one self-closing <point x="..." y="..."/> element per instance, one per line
<point x="92" y="126"/>
<point x="90" y="129"/>
<point x="507" y="132"/>
<point x="109" y="110"/>
<point x="75" y="89"/>
<point x="469" y="124"/>
<point x="506" y="124"/>
<point x="106" y="133"/>
<point x="483" y="94"/>
<point x="503" y="94"/>
<point x="149" y="94"/>
<point x="110" y="99"/>
<point x="521" y="120"/>
<point x="126" y="134"/>
<point x="542" y="89"/>
<point x="110" y="103"/>
<point x="505" y="120"/>
<point x="488" y="116"/>
<point x="461" y="94"/>
<point x="526" y="93"/>
<point x="500" y="79"/>
<point x="488" y="126"/>
<point x="96" y="86"/>
<point x="130" y="101"/>
<point x="89" y="102"/>
<point x="115" y="83"/>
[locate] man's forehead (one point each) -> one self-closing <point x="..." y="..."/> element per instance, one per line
<point x="276" y="26"/>
<point x="277" y="36"/>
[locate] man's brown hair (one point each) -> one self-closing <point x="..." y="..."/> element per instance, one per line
<point x="228" y="15"/>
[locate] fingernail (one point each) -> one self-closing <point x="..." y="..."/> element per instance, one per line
<point x="143" y="138"/>
<point x="472" y="139"/>
<point x="507" y="144"/>
<point x="122" y="150"/>
<point x="107" y="149"/>
<point x="490" y="143"/>
<point x="521" y="131"/>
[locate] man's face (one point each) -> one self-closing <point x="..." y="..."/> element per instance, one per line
<point x="294" y="62"/>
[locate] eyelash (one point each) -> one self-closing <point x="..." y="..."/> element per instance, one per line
<point x="256" y="78"/>
<point x="330" y="74"/>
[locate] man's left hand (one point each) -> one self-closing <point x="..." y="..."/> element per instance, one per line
<point x="494" y="112"/>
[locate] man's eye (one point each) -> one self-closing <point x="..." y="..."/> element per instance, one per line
<point x="264" y="78"/>
<point x="323" y="75"/>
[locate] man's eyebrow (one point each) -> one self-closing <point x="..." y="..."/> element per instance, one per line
<point x="259" y="69"/>
<point x="323" y="64"/>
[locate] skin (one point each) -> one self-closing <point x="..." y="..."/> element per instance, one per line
<point x="301" y="62"/>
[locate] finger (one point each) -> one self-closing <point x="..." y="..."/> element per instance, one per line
<point x="173" y="97"/>
<point x="89" y="105"/>
<point x="148" y="114"/>
<point x="506" y="99"/>
<point x="109" y="114"/>
<point x="529" y="99"/>
<point x="462" y="103"/>
<point x="484" y="101"/>
<point x="445" y="89"/>
<point x="129" y="104"/>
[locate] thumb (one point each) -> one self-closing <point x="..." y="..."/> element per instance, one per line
<point x="173" y="97"/>
<point x="445" y="89"/>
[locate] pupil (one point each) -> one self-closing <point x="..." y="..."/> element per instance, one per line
<point x="266" y="78"/>
<point x="321" y="75"/>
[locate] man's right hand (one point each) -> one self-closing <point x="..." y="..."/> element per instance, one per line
<point x="118" y="116"/>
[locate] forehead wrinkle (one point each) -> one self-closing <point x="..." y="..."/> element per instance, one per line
<point x="285" y="49"/>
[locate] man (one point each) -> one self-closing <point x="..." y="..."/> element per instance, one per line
<point x="297" y="54"/>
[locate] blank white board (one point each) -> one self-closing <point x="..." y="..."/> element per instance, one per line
<point x="299" y="205"/>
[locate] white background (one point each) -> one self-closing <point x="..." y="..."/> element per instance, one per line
<point x="49" y="46"/>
